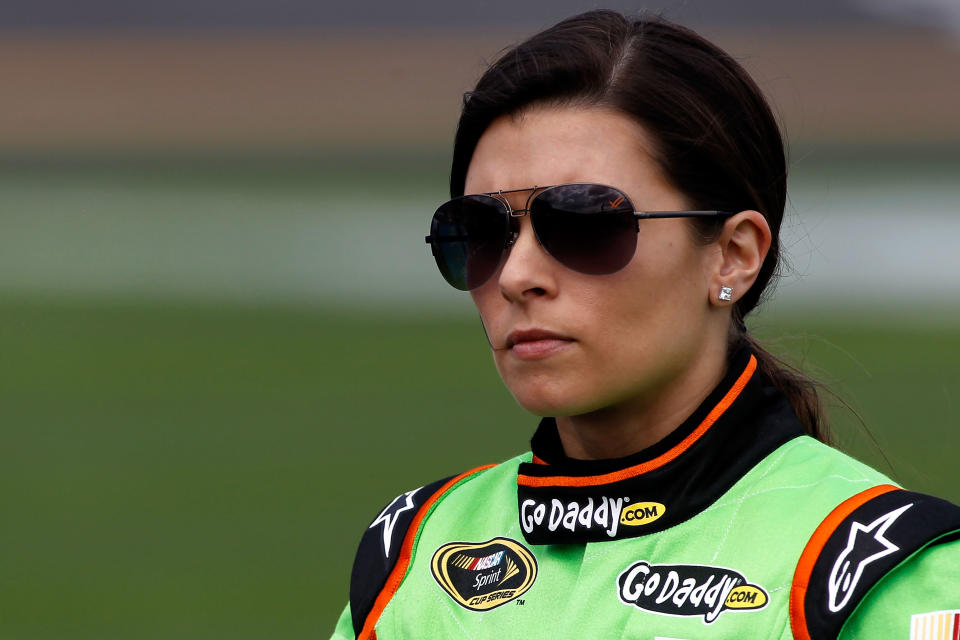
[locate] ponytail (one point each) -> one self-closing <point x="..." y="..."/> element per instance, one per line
<point x="801" y="391"/>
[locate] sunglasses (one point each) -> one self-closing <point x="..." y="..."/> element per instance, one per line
<point x="589" y="228"/>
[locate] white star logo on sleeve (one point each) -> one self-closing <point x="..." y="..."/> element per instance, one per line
<point x="403" y="502"/>
<point x="860" y="552"/>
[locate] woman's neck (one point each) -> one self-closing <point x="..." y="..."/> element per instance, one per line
<point x="633" y="425"/>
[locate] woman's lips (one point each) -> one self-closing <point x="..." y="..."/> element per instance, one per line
<point x="532" y="344"/>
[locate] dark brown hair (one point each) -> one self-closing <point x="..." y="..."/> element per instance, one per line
<point x="715" y="137"/>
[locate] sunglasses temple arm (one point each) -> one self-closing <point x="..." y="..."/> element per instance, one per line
<point x="648" y="215"/>
<point x="458" y="238"/>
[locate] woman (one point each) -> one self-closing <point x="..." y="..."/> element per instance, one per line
<point x="627" y="182"/>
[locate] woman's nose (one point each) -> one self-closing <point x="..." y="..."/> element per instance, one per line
<point x="528" y="269"/>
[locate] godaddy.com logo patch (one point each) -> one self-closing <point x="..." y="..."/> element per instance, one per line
<point x="688" y="590"/>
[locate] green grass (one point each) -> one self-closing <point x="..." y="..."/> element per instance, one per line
<point x="199" y="472"/>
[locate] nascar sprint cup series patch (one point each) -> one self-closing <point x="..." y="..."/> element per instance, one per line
<point x="483" y="575"/>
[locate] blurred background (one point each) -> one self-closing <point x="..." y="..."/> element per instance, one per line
<point x="225" y="346"/>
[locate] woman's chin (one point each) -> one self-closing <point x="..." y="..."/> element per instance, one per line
<point x="544" y="404"/>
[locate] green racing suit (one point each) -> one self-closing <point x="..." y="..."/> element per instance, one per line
<point x="737" y="525"/>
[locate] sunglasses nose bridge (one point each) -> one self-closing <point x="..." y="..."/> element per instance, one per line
<point x="513" y="231"/>
<point x="523" y="256"/>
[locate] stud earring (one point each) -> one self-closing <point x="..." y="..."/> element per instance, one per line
<point x="726" y="294"/>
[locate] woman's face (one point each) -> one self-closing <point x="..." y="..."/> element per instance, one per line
<point x="566" y="343"/>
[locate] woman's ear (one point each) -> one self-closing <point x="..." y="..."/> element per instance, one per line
<point x="744" y="242"/>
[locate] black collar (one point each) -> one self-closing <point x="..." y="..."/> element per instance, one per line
<point x="566" y="500"/>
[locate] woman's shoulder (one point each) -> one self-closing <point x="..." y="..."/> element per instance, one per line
<point x="489" y="478"/>
<point x="411" y="509"/>
<point x="856" y="530"/>
<point x="876" y="544"/>
<point x="820" y="473"/>
<point x="388" y="544"/>
<point x="480" y="481"/>
<point x="861" y="546"/>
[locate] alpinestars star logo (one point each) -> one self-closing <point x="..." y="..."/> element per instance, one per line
<point x="861" y="550"/>
<point x="388" y="517"/>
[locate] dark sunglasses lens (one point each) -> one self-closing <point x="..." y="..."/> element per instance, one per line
<point x="589" y="228"/>
<point x="468" y="236"/>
